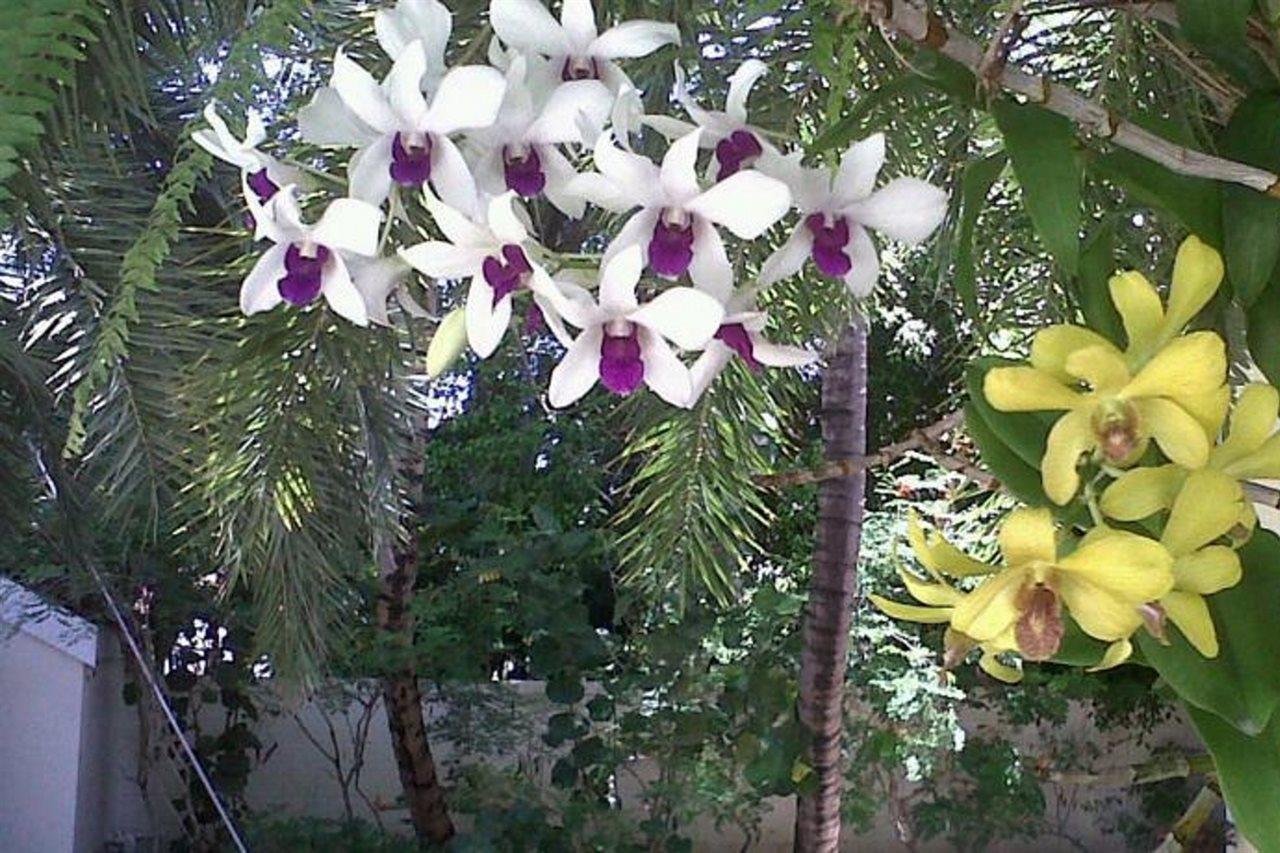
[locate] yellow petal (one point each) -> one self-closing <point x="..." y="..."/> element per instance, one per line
<point x="1139" y="307"/>
<point x="911" y="612"/>
<point x="1207" y="506"/>
<point x="1101" y="614"/>
<point x="1252" y="423"/>
<point x="992" y="608"/>
<point x="1141" y="492"/>
<point x="1207" y="571"/>
<point x="1052" y="345"/>
<point x="1197" y="272"/>
<point x="1179" y="435"/>
<point x="1116" y="654"/>
<point x="1070" y="437"/>
<point x="938" y="555"/>
<point x="933" y="594"/>
<point x="1190" y="613"/>
<point x="1101" y="367"/>
<point x="1028" y="535"/>
<point x="1210" y="409"/>
<point x="1262" y="464"/>
<point x="1133" y="567"/>
<point x="992" y="666"/>
<point x="1193" y="364"/>
<point x="1026" y="389"/>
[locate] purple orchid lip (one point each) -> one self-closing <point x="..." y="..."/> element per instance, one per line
<point x="304" y="273"/>
<point x="829" y="242"/>
<point x="261" y="185"/>
<point x="506" y="274"/>
<point x="736" y="338"/>
<point x="737" y="151"/>
<point x="411" y="159"/>
<point x="671" y="247"/>
<point x="523" y="171"/>
<point x="580" y="68"/>
<point x="621" y="367"/>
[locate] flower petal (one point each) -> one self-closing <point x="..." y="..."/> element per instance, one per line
<point x="685" y="316"/>
<point x="679" y="174"/>
<point x="569" y="103"/>
<point x="1139" y="306"/>
<point x="636" y="231"/>
<point x="992" y="666"/>
<point x="578" y="20"/>
<point x="410" y="20"/>
<point x="1026" y="389"/>
<point x="1053" y="345"/>
<point x="859" y="167"/>
<point x="741" y="83"/>
<point x="864" y="263"/>
<point x="1190" y="613"/>
<point x="618" y="279"/>
<point x="636" y="177"/>
<point x="451" y="177"/>
<point x="790" y="257"/>
<point x="714" y="359"/>
<point x="905" y="209"/>
<point x="1101" y="367"/>
<point x="1180" y="436"/>
<point x="503" y="221"/>
<point x="443" y="260"/>
<point x="664" y="373"/>
<point x="468" y="97"/>
<point x="710" y="269"/>
<point x="632" y="39"/>
<point x="351" y="225"/>
<point x="1099" y="612"/>
<point x="375" y="279"/>
<point x="486" y="322"/>
<point x="369" y="172"/>
<point x="1116" y="654"/>
<point x="578" y="371"/>
<point x="1197" y="272"/>
<point x="560" y="173"/>
<point x="934" y="594"/>
<point x="1208" y="570"/>
<point x="362" y="95"/>
<point x="911" y="612"/>
<point x="1070" y="438"/>
<point x="341" y="293"/>
<point x="992" y="608"/>
<point x="261" y="288"/>
<point x="1192" y="364"/>
<point x="1027" y="536"/>
<point x="777" y="355"/>
<point x="938" y="555"/>
<point x="403" y="86"/>
<point x="1133" y="567"/>
<point x="527" y="25"/>
<point x="1209" y="409"/>
<point x="1207" y="506"/>
<point x="1142" y="492"/>
<point x="328" y="121"/>
<point x="1252" y="423"/>
<point x="747" y="203"/>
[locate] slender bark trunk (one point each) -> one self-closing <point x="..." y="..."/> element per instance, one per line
<point x="403" y="699"/>
<point x="829" y="611"/>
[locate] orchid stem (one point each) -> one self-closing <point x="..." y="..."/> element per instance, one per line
<point x="314" y="172"/>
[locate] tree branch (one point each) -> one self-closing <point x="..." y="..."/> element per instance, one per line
<point x="1146" y="773"/>
<point x="929" y="30"/>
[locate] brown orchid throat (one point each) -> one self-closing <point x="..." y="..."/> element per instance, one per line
<point x="1117" y="427"/>
<point x="1039" y="628"/>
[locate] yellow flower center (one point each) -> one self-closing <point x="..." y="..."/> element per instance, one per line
<point x="1039" y="628"/>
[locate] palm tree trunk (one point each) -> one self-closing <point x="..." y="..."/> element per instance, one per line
<point x="403" y="699"/>
<point x="832" y="586"/>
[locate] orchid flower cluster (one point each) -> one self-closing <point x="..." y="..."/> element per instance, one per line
<point x="479" y="143"/>
<point x="1144" y="443"/>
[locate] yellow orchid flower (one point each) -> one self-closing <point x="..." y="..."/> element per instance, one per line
<point x="1164" y="386"/>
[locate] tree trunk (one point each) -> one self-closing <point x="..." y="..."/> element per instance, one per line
<point x="832" y="586"/>
<point x="403" y="699"/>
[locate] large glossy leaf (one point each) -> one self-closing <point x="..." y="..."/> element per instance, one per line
<point x="1022" y="480"/>
<point x="974" y="188"/>
<point x="1195" y="202"/>
<point x="1097" y="265"/>
<point x="1217" y="28"/>
<point x="1264" y="331"/>
<point x="1251" y="220"/>
<point x="1047" y="161"/>
<point x="1249" y="775"/>
<point x="1022" y="432"/>
<point x="1242" y="684"/>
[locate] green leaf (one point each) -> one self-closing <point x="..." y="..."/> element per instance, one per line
<point x="947" y="76"/>
<point x="1025" y="433"/>
<point x="1251" y="220"/>
<point x="1249" y="775"/>
<point x="1217" y="28"/>
<point x="565" y="689"/>
<point x="1046" y="159"/>
<point x="1017" y="476"/>
<point x="1097" y="265"/>
<point x="974" y="188"/>
<point x="1195" y="202"/>
<point x="1242" y="684"/>
<point x="1264" y="331"/>
<point x="447" y="343"/>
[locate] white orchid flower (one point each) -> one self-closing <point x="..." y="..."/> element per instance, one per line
<point x="519" y="151"/>
<point x="836" y="209"/>
<point x="741" y="333"/>
<point x="404" y="140"/>
<point x="427" y="21"/>
<point x="499" y="257"/>
<point x="675" y="226"/>
<point x="378" y="279"/>
<point x="623" y="344"/>
<point x="306" y="260"/>
<point x="574" y="45"/>
<point x="261" y="175"/>
<point x="627" y="117"/>
<point x="737" y="143"/>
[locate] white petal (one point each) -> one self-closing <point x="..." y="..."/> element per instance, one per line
<point x="618" y="279"/>
<point x="341" y="293"/>
<point x="226" y="140"/>
<point x="526" y="24"/>
<point x="281" y="218"/>
<point x="261" y="288"/>
<point x="503" y="222"/>
<point x="671" y="128"/>
<point x="637" y="231"/>
<point x="635" y="176"/>
<point x="600" y="191"/>
<point x="685" y="316"/>
<point x="680" y="169"/>
<point x="403" y="86"/>
<point x="790" y="257"/>
<point x="428" y="20"/>
<point x="711" y="270"/>
<point x="746" y="203"/>
<point x="664" y="373"/>
<point x="714" y="359"/>
<point x="570" y="104"/>
<point x="560" y="174"/>
<point x="451" y="177"/>
<point x="777" y="355"/>
<point x="554" y="321"/>
<point x="349" y="224"/>
<point x="579" y="22"/>
<point x="740" y="85"/>
<point x="858" y="169"/>
<point x="375" y="279"/>
<point x="467" y="98"/>
<point x="362" y="95"/>
<point x="578" y="370"/>
<point x="369" y="172"/>
<point x="905" y="209"/>
<point x="571" y="301"/>
<point x="862" y="276"/>
<point x="486" y="322"/>
<point x="443" y="260"/>
<point x="632" y="39"/>
<point x="327" y="120"/>
<point x="457" y="227"/>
